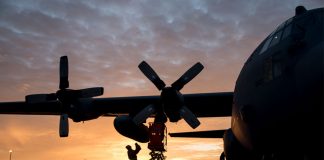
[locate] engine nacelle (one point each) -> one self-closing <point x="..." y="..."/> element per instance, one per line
<point x="234" y="150"/>
<point x="82" y="110"/>
<point x="126" y="127"/>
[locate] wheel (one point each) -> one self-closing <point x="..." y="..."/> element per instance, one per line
<point x="222" y="156"/>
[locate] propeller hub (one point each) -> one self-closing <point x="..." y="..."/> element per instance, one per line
<point x="65" y="96"/>
<point x="172" y="101"/>
<point x="171" y="97"/>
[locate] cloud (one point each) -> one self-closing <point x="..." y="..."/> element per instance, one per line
<point x="102" y="38"/>
<point x="105" y="41"/>
<point x="24" y="87"/>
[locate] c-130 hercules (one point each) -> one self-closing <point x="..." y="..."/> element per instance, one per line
<point x="276" y="107"/>
<point x="277" y="110"/>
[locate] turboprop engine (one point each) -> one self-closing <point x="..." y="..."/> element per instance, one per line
<point x="126" y="127"/>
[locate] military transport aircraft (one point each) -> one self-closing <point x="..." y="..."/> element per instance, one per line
<point x="276" y="106"/>
<point x="278" y="101"/>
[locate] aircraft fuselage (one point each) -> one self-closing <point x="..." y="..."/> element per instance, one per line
<point x="278" y="98"/>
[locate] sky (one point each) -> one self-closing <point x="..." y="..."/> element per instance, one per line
<point x="105" y="40"/>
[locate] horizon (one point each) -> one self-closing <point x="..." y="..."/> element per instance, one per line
<point x="105" y="41"/>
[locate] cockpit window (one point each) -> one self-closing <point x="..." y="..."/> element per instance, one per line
<point x="281" y="26"/>
<point x="289" y="21"/>
<point x="276" y="38"/>
<point x="265" y="45"/>
<point x="287" y="31"/>
<point x="282" y="31"/>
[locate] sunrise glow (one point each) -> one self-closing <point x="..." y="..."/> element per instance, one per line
<point x="105" y="41"/>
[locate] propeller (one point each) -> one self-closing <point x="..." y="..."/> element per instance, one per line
<point x="64" y="72"/>
<point x="172" y="101"/>
<point x="151" y="75"/>
<point x="187" y="76"/>
<point x="65" y="96"/>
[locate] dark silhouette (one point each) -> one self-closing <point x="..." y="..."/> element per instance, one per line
<point x="222" y="156"/>
<point x="132" y="154"/>
<point x="278" y="96"/>
<point x="276" y="107"/>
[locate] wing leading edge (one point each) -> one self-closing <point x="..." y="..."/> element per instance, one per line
<point x="201" y="104"/>
<point x="46" y="108"/>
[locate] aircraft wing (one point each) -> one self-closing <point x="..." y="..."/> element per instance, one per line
<point x="200" y="134"/>
<point x="46" y="108"/>
<point x="201" y="104"/>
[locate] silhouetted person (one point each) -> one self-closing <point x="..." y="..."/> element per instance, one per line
<point x="132" y="154"/>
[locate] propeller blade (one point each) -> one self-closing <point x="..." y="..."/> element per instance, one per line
<point x="90" y="92"/>
<point x="64" y="72"/>
<point x="144" y="114"/>
<point x="64" y="125"/>
<point x="38" y="98"/>
<point x="187" y="76"/>
<point x="151" y="75"/>
<point x="189" y="117"/>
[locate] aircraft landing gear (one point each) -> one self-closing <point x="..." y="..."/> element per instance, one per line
<point x="157" y="155"/>
<point x="222" y="156"/>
